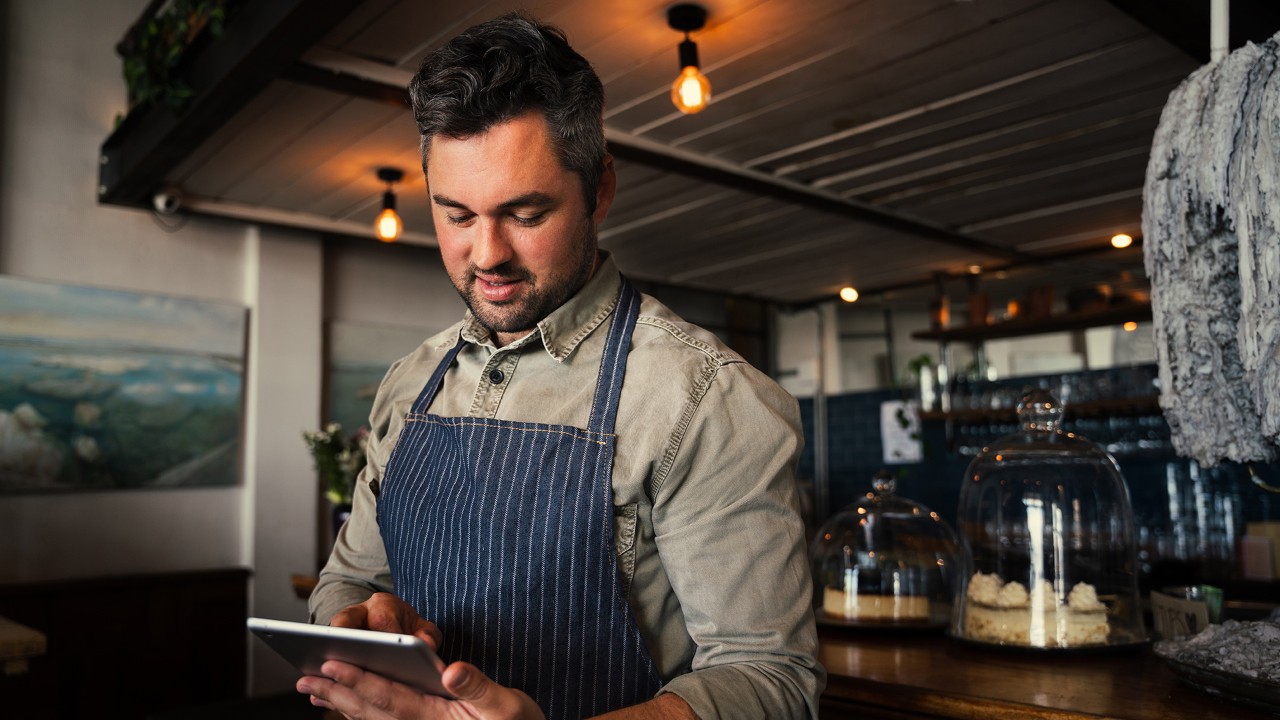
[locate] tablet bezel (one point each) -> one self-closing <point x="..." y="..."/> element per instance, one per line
<point x="402" y="658"/>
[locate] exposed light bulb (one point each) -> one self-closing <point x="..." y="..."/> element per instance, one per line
<point x="691" y="91"/>
<point x="848" y="294"/>
<point x="1130" y="326"/>
<point x="388" y="225"/>
<point x="1120" y="240"/>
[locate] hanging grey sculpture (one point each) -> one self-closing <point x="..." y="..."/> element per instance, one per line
<point x="1211" y="234"/>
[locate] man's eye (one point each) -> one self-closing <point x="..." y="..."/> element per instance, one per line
<point x="458" y="219"/>
<point x="529" y="219"/>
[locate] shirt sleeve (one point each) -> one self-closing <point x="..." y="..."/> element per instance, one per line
<point x="729" y="532"/>
<point x="357" y="568"/>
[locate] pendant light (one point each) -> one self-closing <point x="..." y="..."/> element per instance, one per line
<point x="388" y="225"/>
<point x="691" y="91"/>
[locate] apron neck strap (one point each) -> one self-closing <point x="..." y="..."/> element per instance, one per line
<point x="613" y="364"/>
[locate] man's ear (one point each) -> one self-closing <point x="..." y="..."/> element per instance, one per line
<point x="604" y="190"/>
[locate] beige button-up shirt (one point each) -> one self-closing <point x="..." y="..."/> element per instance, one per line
<point x="709" y="540"/>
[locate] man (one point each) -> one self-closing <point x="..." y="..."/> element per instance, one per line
<point x="584" y="503"/>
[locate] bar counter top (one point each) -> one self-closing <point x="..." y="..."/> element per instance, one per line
<point x="926" y="674"/>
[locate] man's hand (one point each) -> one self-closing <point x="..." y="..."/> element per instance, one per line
<point x="363" y="695"/>
<point x="385" y="612"/>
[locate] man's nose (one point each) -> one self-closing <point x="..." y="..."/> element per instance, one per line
<point x="491" y="247"/>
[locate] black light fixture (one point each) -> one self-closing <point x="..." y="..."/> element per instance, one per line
<point x="388" y="225"/>
<point x="691" y="91"/>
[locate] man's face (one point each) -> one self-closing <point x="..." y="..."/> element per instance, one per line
<point x="512" y="223"/>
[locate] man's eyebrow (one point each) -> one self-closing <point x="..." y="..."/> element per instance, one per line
<point x="448" y="202"/>
<point x="529" y="199"/>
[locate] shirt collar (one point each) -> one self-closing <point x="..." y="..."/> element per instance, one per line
<point x="568" y="325"/>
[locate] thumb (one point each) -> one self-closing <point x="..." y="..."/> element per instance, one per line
<point x="487" y="698"/>
<point x="467" y="683"/>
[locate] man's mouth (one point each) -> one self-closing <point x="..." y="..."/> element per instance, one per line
<point x="497" y="289"/>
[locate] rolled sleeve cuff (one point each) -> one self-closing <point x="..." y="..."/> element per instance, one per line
<point x="733" y="692"/>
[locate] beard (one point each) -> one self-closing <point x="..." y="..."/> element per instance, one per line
<point x="540" y="296"/>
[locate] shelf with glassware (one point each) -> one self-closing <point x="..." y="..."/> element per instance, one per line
<point x="1107" y="407"/>
<point x="967" y="400"/>
<point x="1022" y="326"/>
<point x="1131" y="434"/>
<point x="1117" y="407"/>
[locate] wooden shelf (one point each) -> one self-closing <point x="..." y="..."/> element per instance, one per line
<point x="1018" y="327"/>
<point x="1111" y="407"/>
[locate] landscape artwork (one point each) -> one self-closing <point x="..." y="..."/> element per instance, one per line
<point x="105" y="389"/>
<point x="359" y="356"/>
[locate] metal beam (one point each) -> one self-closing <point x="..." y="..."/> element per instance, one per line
<point x="646" y="152"/>
<point x="633" y="148"/>
<point x="261" y="39"/>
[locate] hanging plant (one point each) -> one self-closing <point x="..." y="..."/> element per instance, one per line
<point x="153" y="49"/>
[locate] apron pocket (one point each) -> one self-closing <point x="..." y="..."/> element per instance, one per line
<point x="624" y="542"/>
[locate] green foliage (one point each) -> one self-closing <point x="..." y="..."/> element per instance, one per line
<point x="152" y="50"/>
<point x="338" y="460"/>
<point x="915" y="364"/>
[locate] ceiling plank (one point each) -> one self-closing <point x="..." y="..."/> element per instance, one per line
<point x="926" y="108"/>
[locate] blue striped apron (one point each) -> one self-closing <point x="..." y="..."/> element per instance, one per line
<point x="501" y="533"/>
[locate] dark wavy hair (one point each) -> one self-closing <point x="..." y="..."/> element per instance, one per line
<point x="503" y="68"/>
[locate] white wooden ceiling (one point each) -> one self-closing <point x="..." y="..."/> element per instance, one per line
<point x="1022" y="124"/>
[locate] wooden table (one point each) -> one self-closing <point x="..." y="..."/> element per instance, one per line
<point x="913" y="674"/>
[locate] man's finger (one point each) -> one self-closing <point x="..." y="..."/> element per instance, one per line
<point x="355" y="616"/>
<point x="487" y="698"/>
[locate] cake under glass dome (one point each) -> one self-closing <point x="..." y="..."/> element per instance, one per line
<point x="1046" y="521"/>
<point x="886" y="561"/>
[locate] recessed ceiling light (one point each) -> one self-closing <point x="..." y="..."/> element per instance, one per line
<point x="1120" y="240"/>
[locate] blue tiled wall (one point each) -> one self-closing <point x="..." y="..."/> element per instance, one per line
<point x="1227" y="497"/>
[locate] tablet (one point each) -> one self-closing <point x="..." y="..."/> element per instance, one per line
<point x="403" y="658"/>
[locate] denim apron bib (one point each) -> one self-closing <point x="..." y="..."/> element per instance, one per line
<point x="501" y="533"/>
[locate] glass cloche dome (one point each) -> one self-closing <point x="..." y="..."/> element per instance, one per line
<point x="1046" y="520"/>
<point x="886" y="561"/>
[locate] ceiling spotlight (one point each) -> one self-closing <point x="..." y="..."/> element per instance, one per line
<point x="388" y="225"/>
<point x="1130" y="326"/>
<point x="975" y="269"/>
<point x="691" y="91"/>
<point x="1120" y="240"/>
<point x="848" y="294"/>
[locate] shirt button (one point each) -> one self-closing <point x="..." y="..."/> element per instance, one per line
<point x="496" y="376"/>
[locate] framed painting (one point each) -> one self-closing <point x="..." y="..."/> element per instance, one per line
<point x="359" y="356"/>
<point x="107" y="389"/>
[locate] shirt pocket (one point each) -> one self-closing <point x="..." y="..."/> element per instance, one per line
<point x="624" y="542"/>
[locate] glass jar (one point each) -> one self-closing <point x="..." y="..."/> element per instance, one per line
<point x="886" y="561"/>
<point x="1046" y="521"/>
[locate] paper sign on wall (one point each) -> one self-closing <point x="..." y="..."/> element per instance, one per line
<point x="900" y="432"/>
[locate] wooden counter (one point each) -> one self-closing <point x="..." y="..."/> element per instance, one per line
<point x="928" y="675"/>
